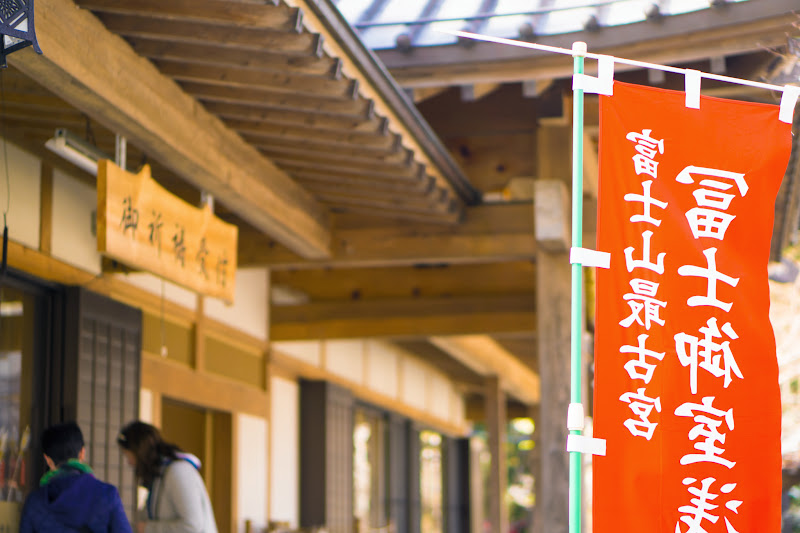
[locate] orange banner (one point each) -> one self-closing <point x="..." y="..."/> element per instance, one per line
<point x="686" y="377"/>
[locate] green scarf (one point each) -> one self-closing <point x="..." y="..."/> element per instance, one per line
<point x="71" y="465"/>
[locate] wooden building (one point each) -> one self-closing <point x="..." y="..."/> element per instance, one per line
<point x="402" y="243"/>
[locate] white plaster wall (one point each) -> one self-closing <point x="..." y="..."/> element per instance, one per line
<point x="345" y="358"/>
<point x="382" y="368"/>
<point x="251" y="456"/>
<point x="284" y="447"/>
<point x="145" y="406"/>
<point x="74" y="215"/>
<point x="249" y="310"/>
<point x="414" y="382"/>
<point x="23" y="203"/>
<point x="152" y="284"/>
<point x="306" y="351"/>
<point x="439" y="395"/>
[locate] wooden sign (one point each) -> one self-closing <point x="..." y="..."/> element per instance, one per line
<point x="144" y="226"/>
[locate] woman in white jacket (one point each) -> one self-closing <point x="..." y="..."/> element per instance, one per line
<point x="177" y="500"/>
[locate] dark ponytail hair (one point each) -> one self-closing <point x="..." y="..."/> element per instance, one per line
<point x="148" y="448"/>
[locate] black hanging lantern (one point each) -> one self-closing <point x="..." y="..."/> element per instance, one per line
<point x="16" y="28"/>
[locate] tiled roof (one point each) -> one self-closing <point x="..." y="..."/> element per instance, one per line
<point x="381" y="23"/>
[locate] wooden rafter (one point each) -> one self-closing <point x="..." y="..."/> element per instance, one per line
<point x="219" y="12"/>
<point x="210" y="54"/>
<point x="129" y="25"/>
<point x="206" y="91"/>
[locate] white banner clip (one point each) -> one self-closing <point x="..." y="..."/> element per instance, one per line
<point x="788" y="101"/>
<point x="589" y="445"/>
<point x="603" y="83"/>
<point x="692" y="80"/>
<point x="590" y="258"/>
<point x="575" y="417"/>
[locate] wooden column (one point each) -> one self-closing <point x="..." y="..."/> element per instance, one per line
<point x="199" y="332"/>
<point x="456" y="475"/>
<point x="398" y="490"/>
<point x="326" y="456"/>
<point x="553" y="288"/>
<point x="267" y="369"/>
<point x="498" y="476"/>
<point x="414" y="470"/>
<point x="46" y="212"/>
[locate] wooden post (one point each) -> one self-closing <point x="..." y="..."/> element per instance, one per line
<point x="268" y="388"/>
<point x="553" y="287"/>
<point x="46" y="213"/>
<point x="498" y="476"/>
<point x="200" y="335"/>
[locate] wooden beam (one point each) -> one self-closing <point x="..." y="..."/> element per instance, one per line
<point x="211" y="33"/>
<point x="440" y="281"/>
<point x="380" y="143"/>
<point x="178" y="381"/>
<point x="323" y="181"/>
<point x="404" y="318"/>
<point x="318" y="86"/>
<point x="209" y="54"/>
<point x="486" y="357"/>
<point x="407" y="193"/>
<point x="100" y="74"/>
<point x="209" y="92"/>
<point x="437" y="201"/>
<point x="425" y="93"/>
<point x="378" y="168"/>
<point x="337" y="156"/>
<point x="488" y="233"/>
<point x="404" y="216"/>
<point x="280" y="116"/>
<point x="220" y="12"/>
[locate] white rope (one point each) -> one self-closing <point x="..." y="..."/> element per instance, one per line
<point x="565" y="51"/>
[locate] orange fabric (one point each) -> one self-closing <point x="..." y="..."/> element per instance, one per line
<point x="710" y="367"/>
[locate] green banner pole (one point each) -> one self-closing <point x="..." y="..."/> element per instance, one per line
<point x="578" y="54"/>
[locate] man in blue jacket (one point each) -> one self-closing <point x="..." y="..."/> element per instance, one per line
<point x="69" y="498"/>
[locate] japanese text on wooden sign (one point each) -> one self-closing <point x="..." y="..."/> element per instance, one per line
<point x="144" y="226"/>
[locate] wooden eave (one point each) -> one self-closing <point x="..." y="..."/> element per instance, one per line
<point x="241" y="100"/>
<point x="279" y="74"/>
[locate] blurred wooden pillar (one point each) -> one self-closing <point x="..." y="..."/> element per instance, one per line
<point x="553" y="293"/>
<point x="498" y="476"/>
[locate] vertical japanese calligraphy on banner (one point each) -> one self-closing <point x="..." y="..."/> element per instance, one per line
<point x="145" y="226"/>
<point x="686" y="377"/>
